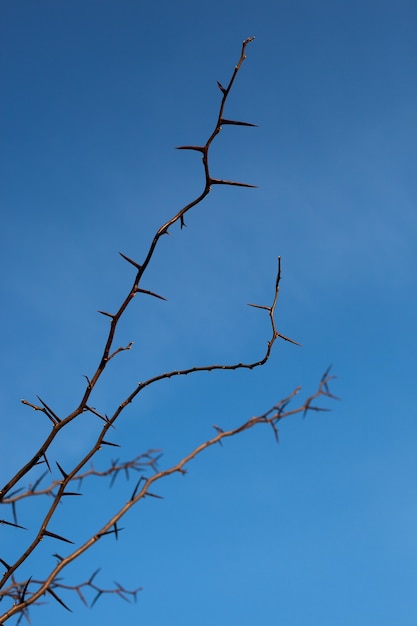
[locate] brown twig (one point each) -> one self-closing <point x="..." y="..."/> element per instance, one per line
<point x="29" y="592"/>
<point x="270" y="417"/>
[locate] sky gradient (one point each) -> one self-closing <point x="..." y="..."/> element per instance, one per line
<point x="321" y="529"/>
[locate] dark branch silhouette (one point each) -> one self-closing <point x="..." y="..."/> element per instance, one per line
<point x="20" y="593"/>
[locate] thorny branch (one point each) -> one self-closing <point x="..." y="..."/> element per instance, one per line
<point x="24" y="593"/>
<point x="140" y="463"/>
<point x="17" y="591"/>
<point x="142" y="489"/>
<point x="58" y="423"/>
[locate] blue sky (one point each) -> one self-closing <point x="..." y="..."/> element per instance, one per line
<point x="321" y="528"/>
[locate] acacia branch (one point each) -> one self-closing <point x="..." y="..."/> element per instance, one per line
<point x="57" y="423"/>
<point x="270" y="417"/>
<point x="19" y="590"/>
<point x="29" y="592"/>
<point x="109" y="422"/>
<point x="141" y="462"/>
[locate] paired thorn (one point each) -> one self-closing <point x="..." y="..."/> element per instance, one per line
<point x="115" y="531"/>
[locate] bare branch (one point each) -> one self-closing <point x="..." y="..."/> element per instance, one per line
<point x="270" y="417"/>
<point x="30" y="591"/>
<point x="141" y="268"/>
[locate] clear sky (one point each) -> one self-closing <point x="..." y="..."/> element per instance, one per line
<point x="321" y="529"/>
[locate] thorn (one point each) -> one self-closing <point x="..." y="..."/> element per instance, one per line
<point x="111" y="532"/>
<point x="109" y="443"/>
<point x="107" y="314"/>
<point x="182" y="223"/>
<point x="54" y="536"/>
<point x="41" y="477"/>
<point x="49" y="410"/>
<point x="260" y="306"/>
<point x="47" y="463"/>
<point x="202" y="149"/>
<point x="220" y="86"/>
<point x="22" y="596"/>
<point x="99" y="593"/>
<point x="64" y="474"/>
<point x="2" y="521"/>
<point x="153" y="495"/>
<point x="58" y="599"/>
<point x="104" y="418"/>
<point x="217" y="181"/>
<point x="15" y="492"/>
<point x="14" y="512"/>
<point x="129" y="260"/>
<point x="236" y="123"/>
<point x="6" y="565"/>
<point x="150" y="293"/>
<point x="136" y="488"/>
<point x="90" y="580"/>
<point x="326" y="373"/>
<point x="288" y="339"/>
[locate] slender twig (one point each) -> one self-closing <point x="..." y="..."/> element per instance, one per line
<point x="115" y="318"/>
<point x="270" y="417"/>
<point x="29" y="592"/>
<point x="139" y="463"/>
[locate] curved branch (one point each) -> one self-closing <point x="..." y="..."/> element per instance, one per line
<point x="115" y="318"/>
<point x="271" y="417"/>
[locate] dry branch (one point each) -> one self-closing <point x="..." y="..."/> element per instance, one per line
<point x="24" y="593"/>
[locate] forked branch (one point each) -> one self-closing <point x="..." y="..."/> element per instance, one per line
<point x="28" y="592"/>
<point x="59" y="423"/>
<point x="142" y="489"/>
